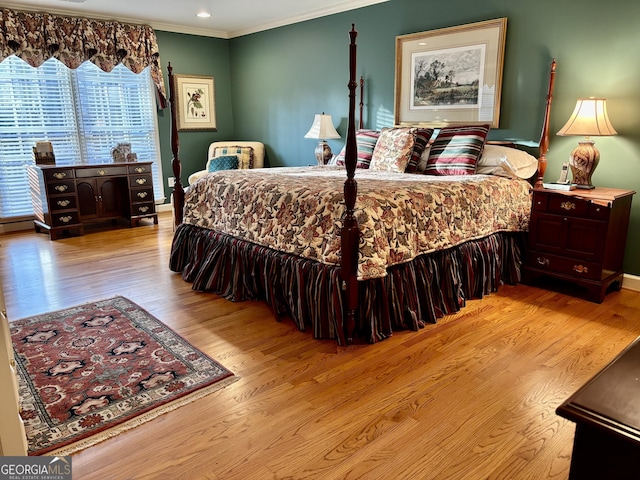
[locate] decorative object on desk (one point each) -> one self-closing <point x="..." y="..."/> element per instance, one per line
<point x="195" y="102"/>
<point x="589" y="119"/>
<point x="43" y="154"/>
<point x="90" y="372"/>
<point x="322" y="129"/>
<point x="120" y="151"/>
<point x="132" y="157"/>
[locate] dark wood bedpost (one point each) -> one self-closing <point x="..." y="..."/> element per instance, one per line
<point x="361" y="126"/>
<point x="178" y="191"/>
<point x="544" y="138"/>
<point x="350" y="230"/>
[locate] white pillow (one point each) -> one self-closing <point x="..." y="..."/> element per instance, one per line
<point x="506" y="162"/>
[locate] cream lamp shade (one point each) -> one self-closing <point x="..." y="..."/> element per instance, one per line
<point x="322" y="129"/>
<point x="589" y="119"/>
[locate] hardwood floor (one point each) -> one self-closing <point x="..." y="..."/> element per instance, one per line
<point x="471" y="397"/>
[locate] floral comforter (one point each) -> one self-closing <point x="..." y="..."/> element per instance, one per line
<point x="299" y="210"/>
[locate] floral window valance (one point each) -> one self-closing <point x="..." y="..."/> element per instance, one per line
<point x="35" y="37"/>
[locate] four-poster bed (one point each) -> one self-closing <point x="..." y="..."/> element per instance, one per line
<point x="390" y="251"/>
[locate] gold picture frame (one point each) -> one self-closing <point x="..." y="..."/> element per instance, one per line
<point x="195" y="102"/>
<point x="451" y="75"/>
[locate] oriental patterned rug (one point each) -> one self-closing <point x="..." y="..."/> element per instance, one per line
<point x="90" y="372"/>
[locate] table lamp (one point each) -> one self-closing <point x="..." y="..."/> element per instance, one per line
<point x="589" y="119"/>
<point x="322" y="129"/>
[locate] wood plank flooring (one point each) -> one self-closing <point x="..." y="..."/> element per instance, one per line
<point x="472" y="397"/>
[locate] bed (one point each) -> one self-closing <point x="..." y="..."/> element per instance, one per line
<point x="357" y="253"/>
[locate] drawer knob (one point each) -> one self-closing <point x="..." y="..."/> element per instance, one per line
<point x="142" y="194"/>
<point x="65" y="219"/>
<point x="568" y="205"/>
<point x="61" y="188"/>
<point x="143" y="209"/>
<point x="141" y="181"/>
<point x="102" y="172"/>
<point x="598" y="209"/>
<point x="63" y="203"/>
<point x="580" y="269"/>
<point x="543" y="260"/>
<point x="139" y="169"/>
<point x="59" y="175"/>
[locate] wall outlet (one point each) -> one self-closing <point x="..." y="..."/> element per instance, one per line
<point x="171" y="181"/>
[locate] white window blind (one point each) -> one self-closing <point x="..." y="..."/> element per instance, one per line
<point x="84" y="113"/>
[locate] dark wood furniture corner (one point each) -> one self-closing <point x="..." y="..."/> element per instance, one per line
<point x="606" y="412"/>
<point x="579" y="236"/>
<point x="67" y="198"/>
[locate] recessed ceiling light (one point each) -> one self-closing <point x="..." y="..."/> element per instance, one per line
<point x="203" y="14"/>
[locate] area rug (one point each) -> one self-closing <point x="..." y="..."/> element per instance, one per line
<point x="90" y="372"/>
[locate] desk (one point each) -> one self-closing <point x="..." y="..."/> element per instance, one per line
<point x="66" y="198"/>
<point x="606" y="411"/>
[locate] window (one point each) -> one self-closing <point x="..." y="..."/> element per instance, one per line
<point x="84" y="113"/>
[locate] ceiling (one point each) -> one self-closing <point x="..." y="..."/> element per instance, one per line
<point x="229" y="18"/>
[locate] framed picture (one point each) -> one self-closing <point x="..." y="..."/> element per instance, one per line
<point x="195" y="102"/>
<point x="450" y="75"/>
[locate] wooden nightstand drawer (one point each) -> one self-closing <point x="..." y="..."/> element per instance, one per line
<point x="563" y="205"/>
<point x="564" y="265"/>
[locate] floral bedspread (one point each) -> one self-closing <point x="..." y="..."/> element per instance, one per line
<point x="299" y="210"/>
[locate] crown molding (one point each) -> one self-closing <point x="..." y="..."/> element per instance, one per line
<point x="204" y="32"/>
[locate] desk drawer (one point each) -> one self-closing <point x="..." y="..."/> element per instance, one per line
<point x="142" y="194"/>
<point x="55" y="188"/>
<point x="136" y="169"/>
<point x="63" y="203"/>
<point x="106" y="171"/>
<point x="62" y="219"/>
<point x="147" y="208"/>
<point x="141" y="180"/>
<point x="58" y="174"/>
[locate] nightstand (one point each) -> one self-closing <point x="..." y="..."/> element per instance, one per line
<point x="579" y="236"/>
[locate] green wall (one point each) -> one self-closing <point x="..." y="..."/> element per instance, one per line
<point x="195" y="55"/>
<point x="278" y="79"/>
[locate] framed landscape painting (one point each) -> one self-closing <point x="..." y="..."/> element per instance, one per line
<point x="195" y="102"/>
<point x="451" y="75"/>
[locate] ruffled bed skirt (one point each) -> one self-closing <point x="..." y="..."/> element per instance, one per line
<point x="411" y="295"/>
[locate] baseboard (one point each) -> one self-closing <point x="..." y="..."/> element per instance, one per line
<point x="165" y="207"/>
<point x="16" y="226"/>
<point x="631" y="282"/>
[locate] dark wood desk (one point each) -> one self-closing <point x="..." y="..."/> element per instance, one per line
<point x="606" y="411"/>
<point x="66" y="198"/>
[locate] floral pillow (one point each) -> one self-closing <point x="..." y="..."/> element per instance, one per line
<point x="456" y="150"/>
<point x="394" y="149"/>
<point x="365" y="143"/>
<point x="244" y="154"/>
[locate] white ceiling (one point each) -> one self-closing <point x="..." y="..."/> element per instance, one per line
<point x="229" y="18"/>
